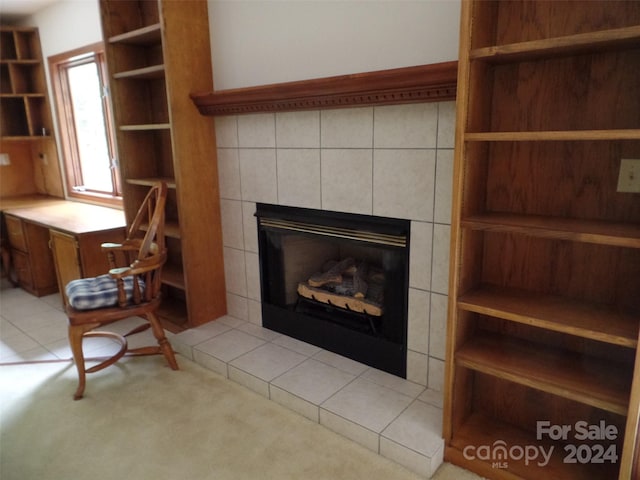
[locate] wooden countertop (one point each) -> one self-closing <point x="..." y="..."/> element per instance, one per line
<point x="67" y="216"/>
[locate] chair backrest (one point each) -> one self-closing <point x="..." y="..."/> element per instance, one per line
<point x="150" y="220"/>
<point x="145" y="244"/>
<point x="151" y="215"/>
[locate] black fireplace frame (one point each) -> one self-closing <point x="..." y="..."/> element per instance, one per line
<point x="387" y="353"/>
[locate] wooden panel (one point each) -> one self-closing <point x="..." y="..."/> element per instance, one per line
<point x="189" y="70"/>
<point x="47" y="174"/>
<point x="534" y="20"/>
<point x="126" y="15"/>
<point x="13" y="119"/>
<point x="630" y="463"/>
<point x="583" y="177"/>
<point x="575" y="270"/>
<point x="516" y="404"/>
<point x="579" y="93"/>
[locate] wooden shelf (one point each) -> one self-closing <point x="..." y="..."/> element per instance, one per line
<point x="147" y="182"/>
<point x="173" y="275"/>
<point x="171" y="229"/>
<point x="24" y="138"/>
<point x="22" y="95"/>
<point x="145" y="127"/>
<point x="155" y="71"/>
<point x="480" y="430"/>
<point x="541" y="136"/>
<point x="576" y="377"/>
<point x="28" y="62"/>
<point x="587" y="231"/>
<point x="572" y="317"/>
<point x="142" y="36"/>
<point x="628" y="37"/>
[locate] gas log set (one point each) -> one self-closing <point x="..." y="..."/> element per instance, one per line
<point x="349" y="284"/>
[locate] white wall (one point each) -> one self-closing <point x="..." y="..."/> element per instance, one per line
<point x="270" y="41"/>
<point x="67" y="25"/>
<point x="256" y="42"/>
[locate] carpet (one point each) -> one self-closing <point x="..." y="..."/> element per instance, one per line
<point x="140" y="420"/>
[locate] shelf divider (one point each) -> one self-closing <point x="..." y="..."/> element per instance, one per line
<point x="576" y="230"/>
<point x="568" y="375"/>
<point x="566" y="45"/>
<point x="573" y="317"/>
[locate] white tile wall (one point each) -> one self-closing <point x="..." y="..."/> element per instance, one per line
<point x="391" y="161"/>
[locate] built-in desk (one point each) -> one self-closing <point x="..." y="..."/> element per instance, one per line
<point x="54" y="241"/>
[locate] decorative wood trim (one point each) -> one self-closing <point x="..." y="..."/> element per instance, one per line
<point x="418" y="84"/>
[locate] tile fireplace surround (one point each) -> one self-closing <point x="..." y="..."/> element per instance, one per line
<point x="393" y="161"/>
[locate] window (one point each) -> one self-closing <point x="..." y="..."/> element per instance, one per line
<point x="84" y="119"/>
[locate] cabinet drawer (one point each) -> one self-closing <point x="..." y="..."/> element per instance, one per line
<point x="16" y="233"/>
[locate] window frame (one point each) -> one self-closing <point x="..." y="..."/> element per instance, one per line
<point x="58" y="64"/>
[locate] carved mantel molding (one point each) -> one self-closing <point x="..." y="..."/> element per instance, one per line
<point x="424" y="83"/>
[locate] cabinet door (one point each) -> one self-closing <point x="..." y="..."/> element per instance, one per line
<point x="66" y="259"/>
<point x="40" y="258"/>
<point x="16" y="233"/>
<point x="22" y="267"/>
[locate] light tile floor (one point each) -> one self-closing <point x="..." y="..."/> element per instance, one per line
<point x="389" y="415"/>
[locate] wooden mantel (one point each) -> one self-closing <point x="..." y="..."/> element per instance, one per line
<point x="423" y="83"/>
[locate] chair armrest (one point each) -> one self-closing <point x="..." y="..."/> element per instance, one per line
<point x="119" y="247"/>
<point x="139" y="266"/>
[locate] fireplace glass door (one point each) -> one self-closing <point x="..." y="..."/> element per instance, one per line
<point x="338" y="281"/>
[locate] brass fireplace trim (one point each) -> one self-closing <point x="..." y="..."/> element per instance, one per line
<point x="337" y="232"/>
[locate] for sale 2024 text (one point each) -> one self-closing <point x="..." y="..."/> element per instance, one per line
<point x="583" y="443"/>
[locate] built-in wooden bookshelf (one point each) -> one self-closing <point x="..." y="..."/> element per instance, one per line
<point x="158" y="53"/>
<point x="24" y="109"/>
<point x="545" y="254"/>
<point x="26" y="127"/>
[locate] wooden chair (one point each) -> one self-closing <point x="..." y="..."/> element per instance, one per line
<point x="132" y="290"/>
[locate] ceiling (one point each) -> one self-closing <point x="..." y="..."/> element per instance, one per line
<point x="12" y="10"/>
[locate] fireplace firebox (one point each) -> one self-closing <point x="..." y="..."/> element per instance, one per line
<point x="338" y="281"/>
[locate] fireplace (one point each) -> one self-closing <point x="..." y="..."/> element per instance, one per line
<point x="338" y="281"/>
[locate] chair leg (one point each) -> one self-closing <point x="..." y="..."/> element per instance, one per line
<point x="165" y="346"/>
<point x="76" y="333"/>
